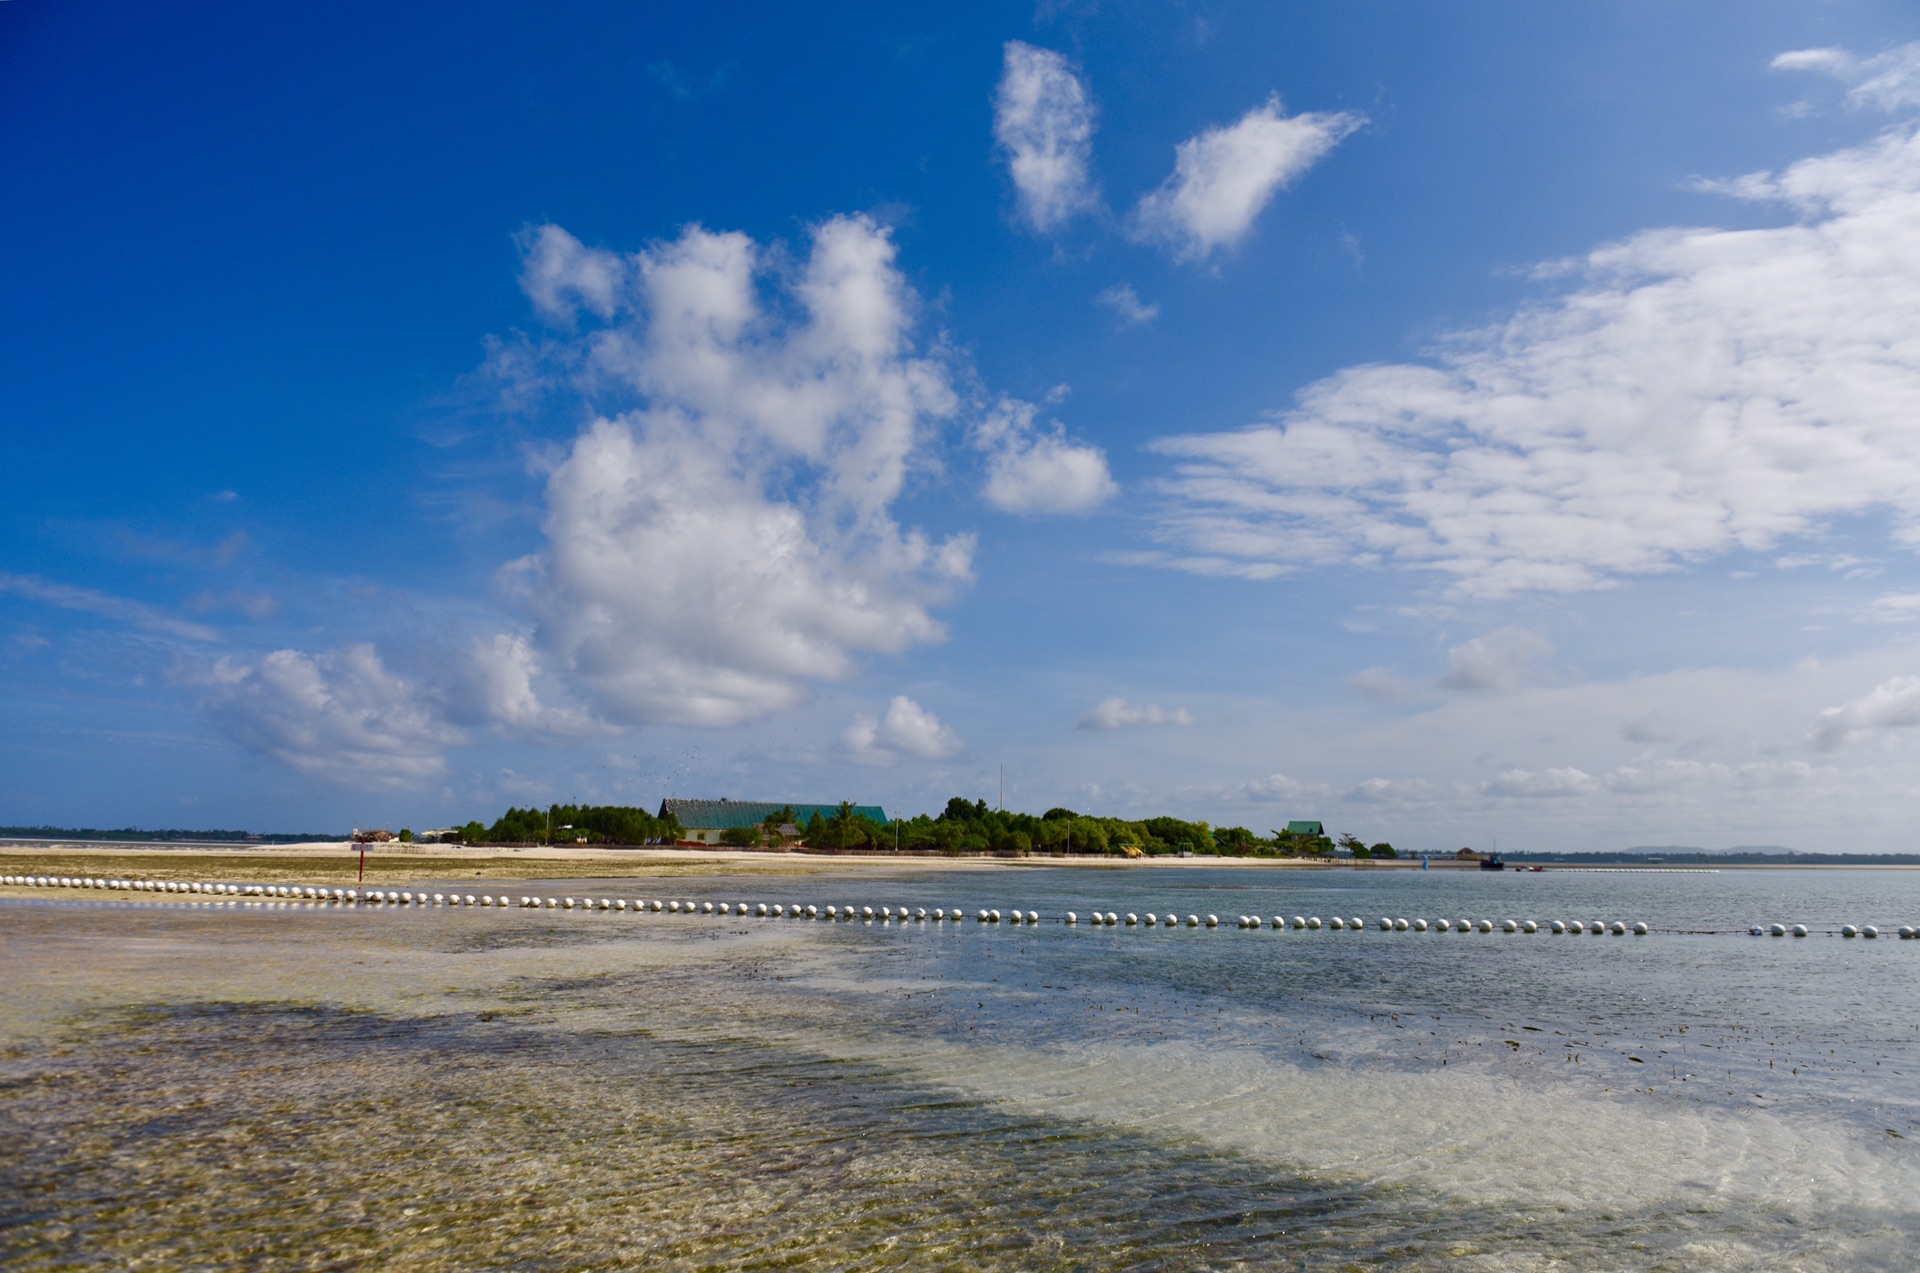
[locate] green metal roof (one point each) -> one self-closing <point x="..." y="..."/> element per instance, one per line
<point x="721" y="815"/>
<point x="1305" y="828"/>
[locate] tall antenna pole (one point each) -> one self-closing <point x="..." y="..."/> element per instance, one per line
<point x="1003" y="786"/>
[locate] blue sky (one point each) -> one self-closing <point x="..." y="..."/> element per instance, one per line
<point x="1451" y="422"/>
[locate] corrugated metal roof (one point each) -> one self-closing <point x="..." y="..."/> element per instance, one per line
<point x="1305" y="828"/>
<point x="720" y="815"/>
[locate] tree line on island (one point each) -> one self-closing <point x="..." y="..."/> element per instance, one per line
<point x="963" y="827"/>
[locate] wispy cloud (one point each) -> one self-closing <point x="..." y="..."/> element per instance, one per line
<point x="1124" y="301"/>
<point x="1697" y="391"/>
<point x="1118" y="713"/>
<point x="1225" y="177"/>
<point x="1043" y="120"/>
<point x="1888" y="81"/>
<point x="121" y="610"/>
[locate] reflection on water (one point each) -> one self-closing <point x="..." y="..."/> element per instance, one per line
<point x="338" y="1089"/>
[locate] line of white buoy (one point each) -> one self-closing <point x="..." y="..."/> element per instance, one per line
<point x="883" y="914"/>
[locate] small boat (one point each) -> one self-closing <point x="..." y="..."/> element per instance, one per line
<point x="1492" y="862"/>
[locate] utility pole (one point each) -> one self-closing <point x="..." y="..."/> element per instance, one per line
<point x="1003" y="786"/>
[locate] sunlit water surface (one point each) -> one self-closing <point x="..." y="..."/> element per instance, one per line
<point x="210" y="1086"/>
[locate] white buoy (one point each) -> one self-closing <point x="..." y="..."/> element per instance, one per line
<point x="1640" y="928"/>
<point x="1598" y="928"/>
<point x="566" y="903"/>
<point x="1508" y="926"/>
<point x="1419" y="925"/>
<point x="1799" y="930"/>
<point x="1132" y="919"/>
<point x="1400" y="925"/>
<point x="1213" y="921"/>
<point x="1336" y="923"/>
<point x="1848" y="930"/>
<point x="956" y="913"/>
<point x="1906" y="932"/>
<point x="1152" y="919"/>
<point x="1868" y="930"/>
<point x="1386" y="924"/>
<point x="1486" y="925"/>
<point x="1619" y="929"/>
<point x="1778" y="930"/>
<point x="994" y="916"/>
<point x="1072" y="918"/>
<point x="1530" y="927"/>
<point x="1313" y="921"/>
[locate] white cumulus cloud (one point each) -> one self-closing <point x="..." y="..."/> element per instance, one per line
<point x="559" y="274"/>
<point x="1695" y="391"/>
<point x="727" y="539"/>
<point x="1498" y="662"/>
<point x="340" y="715"/>
<point x="1034" y="468"/>
<point x="1225" y="177"/>
<point x="1043" y="120"/>
<point x="904" y="729"/>
<point x="1118" y="713"/>
<point x="1893" y="704"/>
<point x="494" y="684"/>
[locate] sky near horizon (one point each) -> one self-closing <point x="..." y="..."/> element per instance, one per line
<point x="1450" y="422"/>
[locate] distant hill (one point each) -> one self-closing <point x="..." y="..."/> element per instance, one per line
<point x="1694" y="848"/>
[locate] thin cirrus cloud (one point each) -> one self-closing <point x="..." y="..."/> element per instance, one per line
<point x="1043" y="120"/>
<point x="904" y="729"/>
<point x="1118" y="713"/>
<point x="1225" y="177"/>
<point x="1035" y="468"/>
<point x="103" y="605"/>
<point x="1695" y="391"/>
<point x="727" y="540"/>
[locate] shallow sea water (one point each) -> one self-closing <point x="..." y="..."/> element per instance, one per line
<point x="284" y="1087"/>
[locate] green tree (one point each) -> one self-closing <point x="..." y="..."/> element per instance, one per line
<point x="1236" y="840"/>
<point x="1354" y="845"/>
<point x="741" y="837"/>
<point x="1384" y="850"/>
<point x="406" y="836"/>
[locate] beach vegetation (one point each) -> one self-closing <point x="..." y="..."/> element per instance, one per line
<point x="595" y="824"/>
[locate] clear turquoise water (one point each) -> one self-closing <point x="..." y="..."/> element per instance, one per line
<point x="610" y="1090"/>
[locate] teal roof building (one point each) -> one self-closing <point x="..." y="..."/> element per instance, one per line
<point x="1305" y="828"/>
